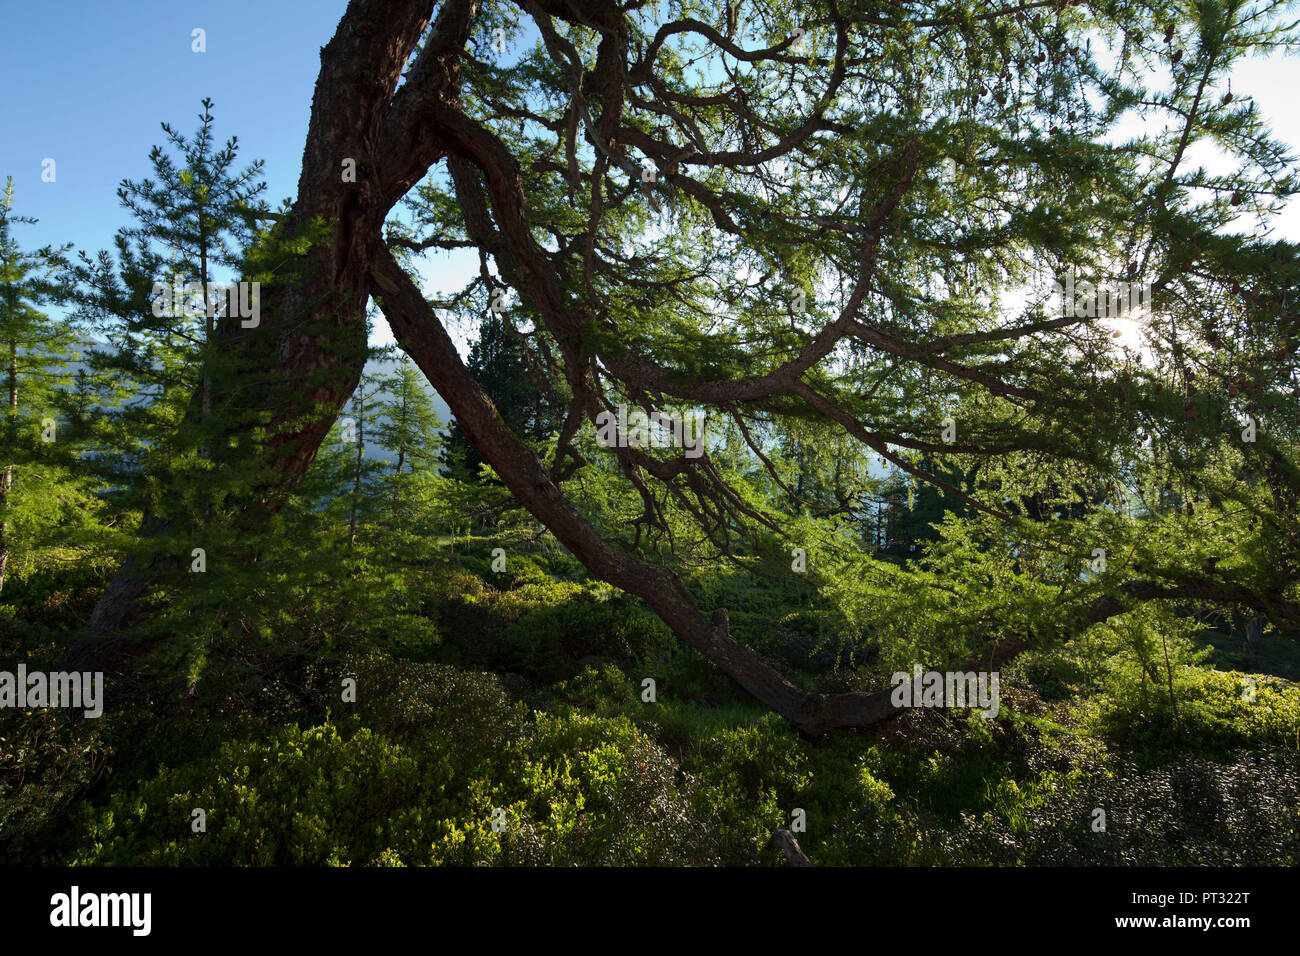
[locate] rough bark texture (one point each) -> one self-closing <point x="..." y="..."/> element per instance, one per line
<point x="311" y="346"/>
<point x="305" y="358"/>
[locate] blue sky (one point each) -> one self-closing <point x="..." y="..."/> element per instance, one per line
<point x="87" y="82"/>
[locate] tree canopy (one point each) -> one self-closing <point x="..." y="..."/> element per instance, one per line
<point x="970" y="244"/>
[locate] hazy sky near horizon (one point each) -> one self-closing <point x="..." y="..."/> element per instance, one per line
<point x="88" y="83"/>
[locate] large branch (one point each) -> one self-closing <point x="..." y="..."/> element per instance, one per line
<point x="422" y="336"/>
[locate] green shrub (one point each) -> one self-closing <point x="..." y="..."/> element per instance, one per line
<point x="46" y="761"/>
<point x="1214" y="715"/>
<point x="422" y="786"/>
<point x="1192" y="812"/>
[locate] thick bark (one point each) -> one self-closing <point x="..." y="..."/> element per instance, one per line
<point x="305" y="358"/>
<point x="100" y="647"/>
<point x="311" y="348"/>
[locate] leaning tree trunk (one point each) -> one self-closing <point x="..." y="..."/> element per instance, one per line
<point x="423" y="337"/>
<point x="306" y="358"/>
<point x="368" y="143"/>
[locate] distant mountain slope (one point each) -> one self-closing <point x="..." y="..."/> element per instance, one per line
<point x="375" y="369"/>
<point x="381" y="367"/>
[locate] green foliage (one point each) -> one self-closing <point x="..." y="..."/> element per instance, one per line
<point x="1192" y="812"/>
<point x="150" y="397"/>
<point x="501" y="364"/>
<point x="1097" y="505"/>
<point x="46" y="501"/>
<point x="540" y="627"/>
<point x="1214" y="713"/>
<point x="409" y="426"/>
<point x="46" y="763"/>
<point x="419" y="789"/>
